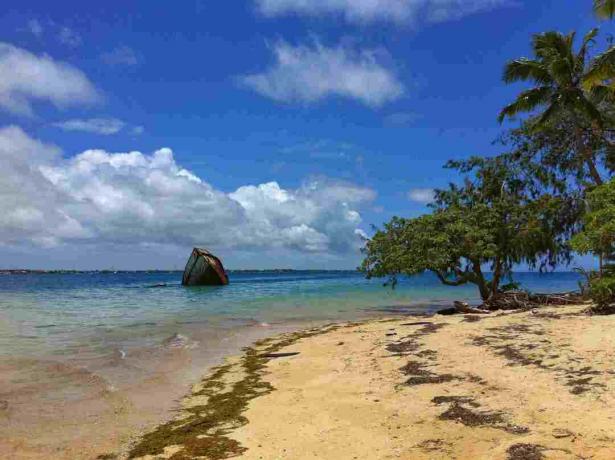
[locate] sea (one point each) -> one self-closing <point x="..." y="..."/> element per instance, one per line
<point x="91" y="348"/>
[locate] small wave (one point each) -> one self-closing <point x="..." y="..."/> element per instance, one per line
<point x="179" y="341"/>
<point x="139" y="324"/>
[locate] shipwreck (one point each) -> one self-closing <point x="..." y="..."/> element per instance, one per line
<point x="204" y="269"/>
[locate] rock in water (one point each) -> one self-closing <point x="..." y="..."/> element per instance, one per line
<point x="204" y="269"/>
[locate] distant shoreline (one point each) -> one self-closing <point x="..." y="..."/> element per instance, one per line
<point x="30" y="271"/>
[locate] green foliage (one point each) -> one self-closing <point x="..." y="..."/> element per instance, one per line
<point x="604" y="9"/>
<point x="602" y="292"/>
<point x="572" y="94"/>
<point x="490" y="220"/>
<point x="598" y="235"/>
<point x="559" y="73"/>
<point x="562" y="154"/>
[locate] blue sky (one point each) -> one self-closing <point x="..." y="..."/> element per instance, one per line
<point x="350" y="110"/>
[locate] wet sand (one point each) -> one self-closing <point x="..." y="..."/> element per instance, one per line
<point x="55" y="408"/>
<point x="509" y="386"/>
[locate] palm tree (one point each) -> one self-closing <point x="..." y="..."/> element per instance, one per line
<point x="567" y="83"/>
<point x="604" y="8"/>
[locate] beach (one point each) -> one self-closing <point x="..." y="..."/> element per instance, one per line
<point x="91" y="362"/>
<point x="508" y="385"/>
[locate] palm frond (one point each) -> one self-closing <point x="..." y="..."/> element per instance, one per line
<point x="526" y="102"/>
<point x="551" y="111"/>
<point x="602" y="93"/>
<point x="602" y="68"/>
<point x="548" y="44"/>
<point x="526" y="69"/>
<point x="588" y="40"/>
<point x="580" y="102"/>
<point x="604" y="8"/>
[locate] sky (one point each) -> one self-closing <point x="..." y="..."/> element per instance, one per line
<point x="277" y="133"/>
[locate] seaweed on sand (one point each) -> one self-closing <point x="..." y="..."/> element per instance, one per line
<point x="202" y="430"/>
<point x="525" y="452"/>
<point x="457" y="412"/>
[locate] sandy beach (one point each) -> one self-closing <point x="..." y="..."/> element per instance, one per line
<point x="514" y="385"/>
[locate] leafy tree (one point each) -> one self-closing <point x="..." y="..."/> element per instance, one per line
<point x="604" y="9"/>
<point x="551" y="153"/>
<point x="598" y="235"/>
<point x="491" y="222"/>
<point x="570" y="88"/>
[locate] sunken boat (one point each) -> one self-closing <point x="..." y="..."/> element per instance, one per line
<point x="204" y="269"/>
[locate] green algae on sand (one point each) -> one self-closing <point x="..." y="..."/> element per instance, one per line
<point x="202" y="430"/>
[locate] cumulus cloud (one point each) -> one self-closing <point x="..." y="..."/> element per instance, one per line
<point x="421" y="195"/>
<point x="407" y="11"/>
<point x="311" y="73"/>
<point x="105" y="126"/>
<point x="133" y="198"/>
<point x="27" y="78"/>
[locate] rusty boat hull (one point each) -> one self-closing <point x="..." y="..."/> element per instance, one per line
<point x="204" y="269"/>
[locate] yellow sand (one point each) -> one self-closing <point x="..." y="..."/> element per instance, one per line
<point x="344" y="396"/>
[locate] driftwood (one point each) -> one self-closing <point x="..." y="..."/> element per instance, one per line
<point x="463" y="307"/>
<point x="521" y="300"/>
<point x="515" y="300"/>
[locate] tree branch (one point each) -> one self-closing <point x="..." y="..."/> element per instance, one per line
<point x="457" y="282"/>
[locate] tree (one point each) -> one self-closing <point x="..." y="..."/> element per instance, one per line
<point x="551" y="153"/>
<point x="604" y="9"/>
<point x="569" y="87"/>
<point x="598" y="237"/>
<point x="598" y="234"/>
<point x="489" y="222"/>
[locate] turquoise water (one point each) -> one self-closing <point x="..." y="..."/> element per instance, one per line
<point x="91" y="313"/>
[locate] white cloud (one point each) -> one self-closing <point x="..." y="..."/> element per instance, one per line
<point x="137" y="130"/>
<point x="69" y="37"/>
<point x="421" y="195"/>
<point x="122" y="55"/>
<point x="106" y="198"/>
<point x="311" y="73"/>
<point x="35" y="27"/>
<point x="103" y="126"/>
<point x="401" y="11"/>
<point x="26" y="77"/>
<point x="403" y="118"/>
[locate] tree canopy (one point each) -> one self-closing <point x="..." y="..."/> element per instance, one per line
<point x="550" y="192"/>
<point x="598" y="234"/>
<point x="490" y="222"/>
<point x="604" y="9"/>
<point x="571" y="89"/>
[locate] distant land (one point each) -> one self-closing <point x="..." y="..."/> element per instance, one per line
<point x="28" y="271"/>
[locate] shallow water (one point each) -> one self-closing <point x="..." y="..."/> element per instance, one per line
<point x="88" y="358"/>
<point x="95" y="313"/>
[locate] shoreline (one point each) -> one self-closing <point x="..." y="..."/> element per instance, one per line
<point x="510" y="385"/>
<point x="67" y="409"/>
